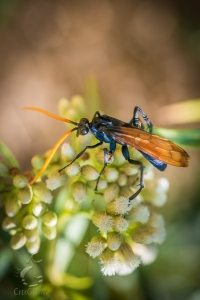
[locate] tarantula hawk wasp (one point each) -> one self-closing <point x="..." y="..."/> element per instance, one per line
<point x="156" y="149"/>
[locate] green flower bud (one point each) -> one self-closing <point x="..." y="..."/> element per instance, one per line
<point x="38" y="209"/>
<point x="73" y="169"/>
<point x="4" y="169"/>
<point x="56" y="181"/>
<point x="114" y="240"/>
<point x="119" y="158"/>
<point x="41" y="193"/>
<point x="122" y="179"/>
<point x="20" y="181"/>
<point x="49" y="232"/>
<point x="12" y="206"/>
<point x="100" y="157"/>
<point x="120" y="206"/>
<point x="125" y="192"/>
<point x="139" y="214"/>
<point x="89" y="173"/>
<point x="120" y="224"/>
<point x="55" y="157"/>
<point x="29" y="222"/>
<point x="31" y="235"/>
<point x="126" y="257"/>
<point x="102" y="185"/>
<point x="111" y="174"/>
<point x="130" y="169"/>
<point x="143" y="235"/>
<point x="111" y="192"/>
<point x="25" y="195"/>
<point x="79" y="191"/>
<point x="37" y="161"/>
<point x="18" y="241"/>
<point x="9" y="223"/>
<point x="103" y="221"/>
<point x="49" y="218"/>
<point x="72" y="114"/>
<point x="135" y="154"/>
<point x="109" y="262"/>
<point x="33" y="247"/>
<point x="63" y="105"/>
<point x="83" y="140"/>
<point x="67" y="152"/>
<point x="78" y="103"/>
<point x="96" y="246"/>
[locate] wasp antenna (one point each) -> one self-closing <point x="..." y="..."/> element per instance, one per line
<point x="50" y="114"/>
<point x="53" y="150"/>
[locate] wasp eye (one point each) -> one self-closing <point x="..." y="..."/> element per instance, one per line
<point x="84" y="131"/>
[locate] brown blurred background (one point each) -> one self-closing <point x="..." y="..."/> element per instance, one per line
<point x="144" y="53"/>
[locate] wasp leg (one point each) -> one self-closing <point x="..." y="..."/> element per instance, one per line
<point x="135" y="120"/>
<point x="106" y="152"/>
<point x="126" y="154"/>
<point x="80" y="153"/>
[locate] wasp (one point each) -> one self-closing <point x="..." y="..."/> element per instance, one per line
<point x="157" y="150"/>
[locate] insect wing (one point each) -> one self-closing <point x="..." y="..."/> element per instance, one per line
<point x="153" y="145"/>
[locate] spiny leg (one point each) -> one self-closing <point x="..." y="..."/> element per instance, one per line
<point x="80" y="153"/>
<point x="106" y="152"/>
<point x="126" y="154"/>
<point x="136" y="119"/>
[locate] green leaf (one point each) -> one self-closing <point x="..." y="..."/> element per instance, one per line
<point x="184" y="137"/>
<point x="7" y="154"/>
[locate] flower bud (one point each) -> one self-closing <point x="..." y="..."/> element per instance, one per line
<point x="139" y="214"/>
<point x="125" y="192"/>
<point x="162" y="185"/>
<point x="111" y="174"/>
<point x="31" y="235"/>
<point x="135" y="154"/>
<point x="122" y="179"/>
<point x="102" y="185"/>
<point x="143" y="235"/>
<point x="63" y="105"/>
<point x="20" y="181"/>
<point x="114" y="240"/>
<point x="55" y="157"/>
<point x="111" y="192"/>
<point x="12" y="206"/>
<point x="79" y="191"/>
<point x="41" y="193"/>
<point x="96" y="246"/>
<point x="56" y="181"/>
<point x="4" y="169"/>
<point x="103" y="221"/>
<point x="67" y="152"/>
<point x="130" y="169"/>
<point x="120" y="224"/>
<point x="120" y="206"/>
<point x="89" y="173"/>
<point x="38" y="209"/>
<point x="37" y="161"/>
<point x="126" y="256"/>
<point x="49" y="218"/>
<point x="109" y="262"/>
<point x="9" y="223"/>
<point x="49" y="232"/>
<point x="29" y="222"/>
<point x="78" y="103"/>
<point x="33" y="247"/>
<point x="73" y="169"/>
<point x="119" y="158"/>
<point x="25" y="195"/>
<point x="18" y="241"/>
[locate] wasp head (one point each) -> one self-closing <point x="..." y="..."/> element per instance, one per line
<point x="83" y="127"/>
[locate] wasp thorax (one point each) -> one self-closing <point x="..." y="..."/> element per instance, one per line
<point x="83" y="127"/>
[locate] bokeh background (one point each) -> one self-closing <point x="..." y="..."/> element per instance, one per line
<point x="144" y="53"/>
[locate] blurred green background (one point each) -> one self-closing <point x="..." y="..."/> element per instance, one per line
<point x="144" y="53"/>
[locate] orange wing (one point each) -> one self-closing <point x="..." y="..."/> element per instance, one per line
<point x="151" y="144"/>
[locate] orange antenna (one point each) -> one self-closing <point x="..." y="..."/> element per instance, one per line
<point x="53" y="150"/>
<point x="50" y="114"/>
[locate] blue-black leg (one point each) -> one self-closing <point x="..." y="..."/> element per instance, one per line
<point x="126" y="154"/>
<point x="106" y="152"/>
<point x="97" y="113"/>
<point x="135" y="121"/>
<point x="80" y="153"/>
